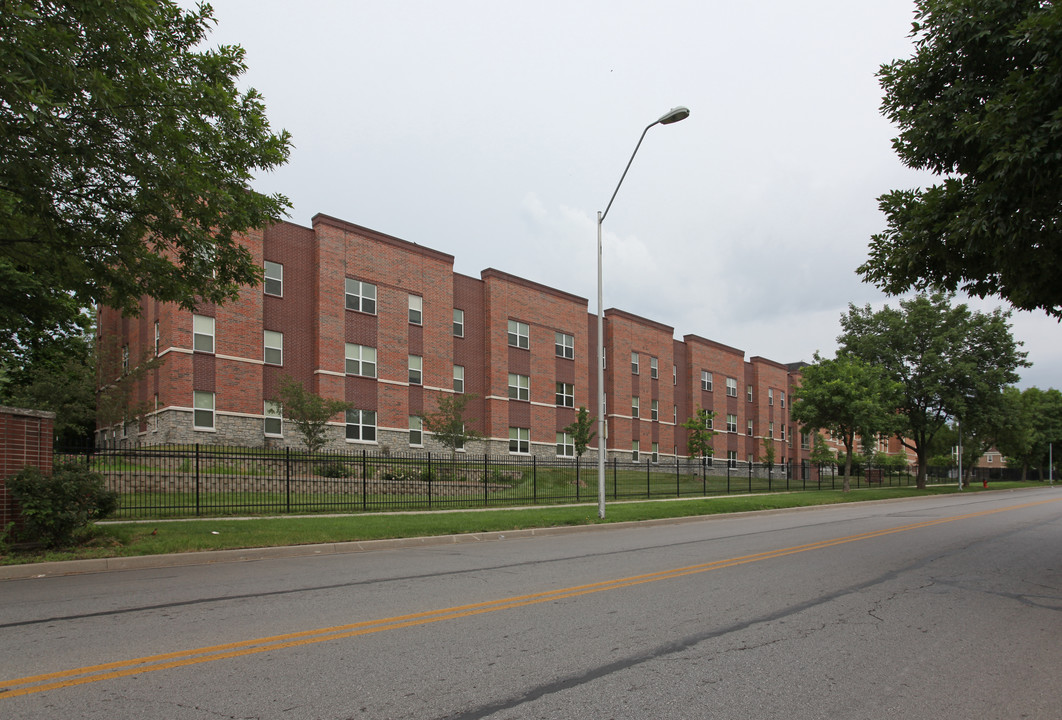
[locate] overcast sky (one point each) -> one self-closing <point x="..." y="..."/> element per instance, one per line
<point x="494" y="131"/>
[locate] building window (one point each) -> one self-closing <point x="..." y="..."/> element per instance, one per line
<point x="709" y="422"/>
<point x="203" y="410"/>
<point x="416" y="370"/>
<point x="748" y="393"/>
<point x="805" y="441"/>
<point x="274" y="279"/>
<point x="770" y="430"/>
<point x="202" y="333"/>
<point x="520" y="440"/>
<point x="361" y="360"/>
<point x="564" y="345"/>
<point x="750" y="428"/>
<point x="770" y="396"/>
<point x="635" y="447"/>
<point x="361" y="296"/>
<point x="781" y="398"/>
<point x="635" y="405"/>
<point x="706" y="381"/>
<point x="654" y="369"/>
<point x="361" y="425"/>
<point x="731" y="423"/>
<point x="274" y="422"/>
<point x="674" y="374"/>
<point x="654" y="410"/>
<point x="416" y="430"/>
<point x="731" y="458"/>
<point x="565" y="445"/>
<point x="519" y="387"/>
<point x="634" y="363"/>
<point x="459" y="323"/>
<point x="416" y="310"/>
<point x="274" y="347"/>
<point x="157" y="338"/>
<point x="459" y="378"/>
<point x="731" y="387"/>
<point x="518" y="334"/>
<point x="565" y="395"/>
<point x="656" y="453"/>
<point x="125" y="359"/>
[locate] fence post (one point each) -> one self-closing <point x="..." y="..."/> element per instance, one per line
<point x="197" y="510"/>
<point x="750" y="476"/>
<point x="287" y="479"/>
<point x="486" y="497"/>
<point x="429" y="480"/>
<point x="727" y="477"/>
<point x="615" y="482"/>
<point x="578" y="482"/>
<point x="534" y="478"/>
<point x="648" y="487"/>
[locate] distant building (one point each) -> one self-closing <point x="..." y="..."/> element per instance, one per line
<point x="389" y="326"/>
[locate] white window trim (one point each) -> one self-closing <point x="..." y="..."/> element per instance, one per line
<point x="267" y="277"/>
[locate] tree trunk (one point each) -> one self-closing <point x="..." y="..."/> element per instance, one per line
<point x="920" y="479"/>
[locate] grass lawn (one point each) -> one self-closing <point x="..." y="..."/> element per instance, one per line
<point x="157" y="537"/>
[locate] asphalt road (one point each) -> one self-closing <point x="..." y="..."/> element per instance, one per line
<point x="943" y="607"/>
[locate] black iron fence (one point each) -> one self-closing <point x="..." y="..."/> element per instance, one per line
<point x="199" y="480"/>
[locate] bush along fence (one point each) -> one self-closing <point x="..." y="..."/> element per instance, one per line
<point x="155" y="482"/>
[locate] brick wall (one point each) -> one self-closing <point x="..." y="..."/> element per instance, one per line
<point x="316" y="325"/>
<point x="25" y="439"/>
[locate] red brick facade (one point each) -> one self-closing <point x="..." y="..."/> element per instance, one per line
<point x="528" y="386"/>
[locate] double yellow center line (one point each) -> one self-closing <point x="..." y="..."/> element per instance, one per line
<point x="124" y="668"/>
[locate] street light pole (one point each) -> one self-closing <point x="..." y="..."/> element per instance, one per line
<point x="672" y="116"/>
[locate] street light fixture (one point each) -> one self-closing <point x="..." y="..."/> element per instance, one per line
<point x="672" y="116"/>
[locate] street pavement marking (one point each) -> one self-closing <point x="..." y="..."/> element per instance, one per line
<point x="152" y="663"/>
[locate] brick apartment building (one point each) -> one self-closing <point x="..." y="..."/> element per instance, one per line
<point x="388" y="326"/>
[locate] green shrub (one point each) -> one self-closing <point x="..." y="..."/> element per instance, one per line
<point x="56" y="507"/>
<point x="333" y="470"/>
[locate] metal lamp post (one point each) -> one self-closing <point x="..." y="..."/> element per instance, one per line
<point x="672" y="116"/>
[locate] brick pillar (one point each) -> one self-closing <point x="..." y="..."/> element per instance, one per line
<point x="25" y="439"/>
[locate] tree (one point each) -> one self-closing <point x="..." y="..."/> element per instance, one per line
<point x="768" y="453"/>
<point x="1033" y="422"/>
<point x="582" y="431"/>
<point x="449" y="424"/>
<point x="846" y="396"/>
<point x="57" y="374"/>
<point x="978" y="105"/>
<point x="126" y="157"/>
<point x="700" y="433"/>
<point x="820" y="451"/>
<point x="309" y="413"/>
<point x="945" y="359"/>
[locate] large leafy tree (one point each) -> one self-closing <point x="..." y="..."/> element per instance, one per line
<point x="1033" y="422"/>
<point x="848" y="397"/>
<point x="980" y="105"/>
<point x="949" y="361"/>
<point x="126" y="155"/>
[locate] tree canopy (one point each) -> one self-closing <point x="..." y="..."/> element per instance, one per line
<point x="949" y="361"/>
<point x="1033" y="422"/>
<point x="848" y="397"/>
<point x="126" y="156"/>
<point x="980" y="105"/>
